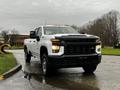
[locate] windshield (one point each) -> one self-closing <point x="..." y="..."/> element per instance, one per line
<point x="59" y="30"/>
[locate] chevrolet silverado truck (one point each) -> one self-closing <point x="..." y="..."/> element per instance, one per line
<point x="62" y="47"/>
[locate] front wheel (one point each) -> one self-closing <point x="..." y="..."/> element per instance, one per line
<point x="89" y="68"/>
<point x="45" y="65"/>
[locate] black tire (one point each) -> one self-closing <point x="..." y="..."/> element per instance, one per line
<point x="45" y="64"/>
<point x="89" y="68"/>
<point x="27" y="56"/>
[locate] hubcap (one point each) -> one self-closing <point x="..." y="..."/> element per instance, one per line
<point x="44" y="65"/>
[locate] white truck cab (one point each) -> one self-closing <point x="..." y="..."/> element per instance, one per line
<point x="61" y="47"/>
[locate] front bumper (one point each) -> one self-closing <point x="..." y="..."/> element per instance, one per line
<point x="74" y="60"/>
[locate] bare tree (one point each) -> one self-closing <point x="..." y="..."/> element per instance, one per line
<point x="14" y="32"/>
<point x="4" y="33"/>
<point x="106" y="27"/>
<point x="13" y="37"/>
<point x="75" y="27"/>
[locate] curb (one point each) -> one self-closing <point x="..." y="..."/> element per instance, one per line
<point x="12" y="71"/>
<point x="111" y="54"/>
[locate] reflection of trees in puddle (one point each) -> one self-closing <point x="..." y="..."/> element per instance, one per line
<point x="89" y="79"/>
<point x="83" y="78"/>
<point x="59" y="79"/>
<point x="64" y="83"/>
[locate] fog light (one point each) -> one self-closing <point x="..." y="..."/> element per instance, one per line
<point x="98" y="49"/>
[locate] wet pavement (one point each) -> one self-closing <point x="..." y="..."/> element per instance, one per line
<point x="106" y="77"/>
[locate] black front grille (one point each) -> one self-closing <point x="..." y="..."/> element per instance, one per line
<point x="78" y="45"/>
<point x="78" y="49"/>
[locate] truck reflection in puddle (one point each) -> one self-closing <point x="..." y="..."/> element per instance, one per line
<point x="61" y="79"/>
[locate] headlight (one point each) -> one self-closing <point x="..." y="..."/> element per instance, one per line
<point x="98" y="49"/>
<point x="55" y="49"/>
<point x="55" y="45"/>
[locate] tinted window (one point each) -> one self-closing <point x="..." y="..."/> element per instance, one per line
<point x="59" y="30"/>
<point x="39" y="32"/>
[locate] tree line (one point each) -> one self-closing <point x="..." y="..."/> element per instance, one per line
<point x="106" y="27"/>
<point x="9" y="36"/>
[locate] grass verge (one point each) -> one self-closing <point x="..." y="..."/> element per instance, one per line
<point x="17" y="47"/>
<point x="110" y="51"/>
<point x="7" y="62"/>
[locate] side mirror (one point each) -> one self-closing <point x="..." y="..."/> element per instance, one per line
<point x="37" y="38"/>
<point x="32" y="34"/>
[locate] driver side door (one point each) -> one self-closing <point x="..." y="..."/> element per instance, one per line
<point x="38" y="43"/>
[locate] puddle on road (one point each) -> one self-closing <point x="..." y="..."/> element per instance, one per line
<point x="64" y="83"/>
<point x="61" y="79"/>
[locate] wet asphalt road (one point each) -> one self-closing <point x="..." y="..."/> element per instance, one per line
<point x="106" y="77"/>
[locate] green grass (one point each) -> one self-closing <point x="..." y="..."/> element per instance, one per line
<point x="7" y="61"/>
<point x="110" y="51"/>
<point x="17" y="47"/>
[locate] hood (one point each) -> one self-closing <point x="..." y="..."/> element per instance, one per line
<point x="72" y="36"/>
<point x="75" y="36"/>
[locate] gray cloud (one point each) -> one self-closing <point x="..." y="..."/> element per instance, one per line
<point x="24" y="15"/>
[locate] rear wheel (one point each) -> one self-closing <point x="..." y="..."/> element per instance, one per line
<point x="89" y="68"/>
<point x="27" y="56"/>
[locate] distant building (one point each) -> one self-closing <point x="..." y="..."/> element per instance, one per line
<point x="17" y="40"/>
<point x="1" y="39"/>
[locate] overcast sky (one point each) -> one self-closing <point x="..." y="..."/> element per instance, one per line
<point x="25" y="15"/>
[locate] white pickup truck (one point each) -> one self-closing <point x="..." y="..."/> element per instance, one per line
<point x="62" y="47"/>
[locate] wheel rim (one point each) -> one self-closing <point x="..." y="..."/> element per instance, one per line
<point x="44" y="65"/>
<point x="25" y="55"/>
